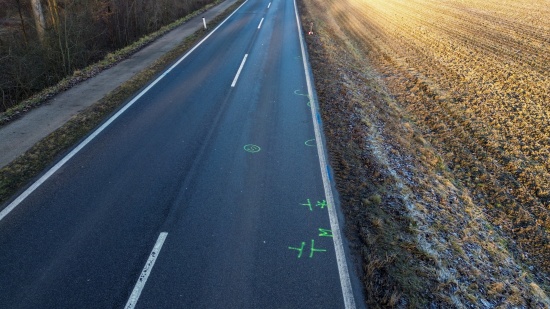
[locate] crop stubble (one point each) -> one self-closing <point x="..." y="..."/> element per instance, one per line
<point x="475" y="77"/>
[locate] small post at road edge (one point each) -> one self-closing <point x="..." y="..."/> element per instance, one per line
<point x="204" y="22"/>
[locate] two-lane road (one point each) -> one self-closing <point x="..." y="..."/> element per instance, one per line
<point x="208" y="190"/>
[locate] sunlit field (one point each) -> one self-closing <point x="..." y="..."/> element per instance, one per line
<point x="473" y="76"/>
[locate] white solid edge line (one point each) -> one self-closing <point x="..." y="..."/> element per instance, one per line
<point x="345" y="281"/>
<point x="269" y="5"/>
<point x="140" y="284"/>
<point x="56" y="167"/>
<point x="260" y="25"/>
<point x="239" y="71"/>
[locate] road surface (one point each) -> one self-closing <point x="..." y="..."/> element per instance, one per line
<point x="209" y="189"/>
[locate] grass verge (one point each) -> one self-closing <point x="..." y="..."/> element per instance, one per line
<point x="25" y="168"/>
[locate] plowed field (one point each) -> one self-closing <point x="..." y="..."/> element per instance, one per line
<point x="474" y="77"/>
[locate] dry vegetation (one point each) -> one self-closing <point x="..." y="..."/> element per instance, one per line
<point x="438" y="122"/>
<point x="18" y="173"/>
<point x="42" y="42"/>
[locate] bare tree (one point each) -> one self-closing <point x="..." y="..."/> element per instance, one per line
<point x="70" y="34"/>
<point x="54" y="14"/>
<point x="39" y="19"/>
<point x="22" y="21"/>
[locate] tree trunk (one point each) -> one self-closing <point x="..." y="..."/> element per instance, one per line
<point x="22" y="22"/>
<point x="39" y="19"/>
<point x="52" y="5"/>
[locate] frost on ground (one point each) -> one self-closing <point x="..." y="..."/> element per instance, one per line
<point x="422" y="239"/>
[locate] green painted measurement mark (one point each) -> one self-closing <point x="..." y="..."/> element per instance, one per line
<point x="325" y="233"/>
<point x="312" y="250"/>
<point x="321" y="204"/>
<point x="252" y="148"/>
<point x="311" y="143"/>
<point x="300" y="250"/>
<point x="308" y="204"/>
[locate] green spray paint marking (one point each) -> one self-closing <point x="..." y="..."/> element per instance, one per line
<point x="252" y="148"/>
<point x="308" y="204"/>
<point x="311" y="143"/>
<point x="321" y="204"/>
<point x="325" y="233"/>
<point x="312" y="250"/>
<point x="300" y="250"/>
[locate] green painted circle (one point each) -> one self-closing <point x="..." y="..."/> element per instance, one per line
<point x="252" y="148"/>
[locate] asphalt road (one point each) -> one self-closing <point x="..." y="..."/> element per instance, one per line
<point x="208" y="190"/>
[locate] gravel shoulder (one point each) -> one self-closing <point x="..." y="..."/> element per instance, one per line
<point x="18" y="136"/>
